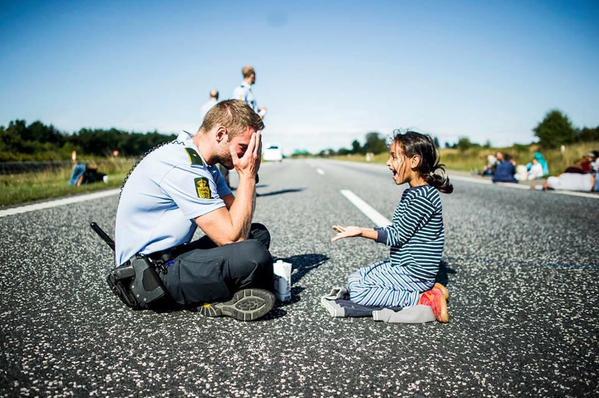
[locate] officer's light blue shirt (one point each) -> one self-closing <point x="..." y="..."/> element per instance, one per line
<point x="244" y="92"/>
<point x="162" y="197"/>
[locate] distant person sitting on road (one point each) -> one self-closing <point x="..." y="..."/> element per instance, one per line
<point x="489" y="169"/>
<point x="579" y="177"/>
<point x="521" y="172"/>
<point x="535" y="169"/>
<point x="177" y="188"/>
<point x="84" y="173"/>
<point x="582" y="166"/>
<point x="209" y="104"/>
<point x="538" y="156"/>
<point x="416" y="238"/>
<point x="505" y="171"/>
<point x="572" y="182"/>
<point x="244" y="90"/>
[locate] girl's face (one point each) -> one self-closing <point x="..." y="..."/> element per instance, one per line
<point x="399" y="164"/>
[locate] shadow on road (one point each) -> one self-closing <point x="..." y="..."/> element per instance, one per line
<point x="444" y="271"/>
<point x="280" y="192"/>
<point x="304" y="263"/>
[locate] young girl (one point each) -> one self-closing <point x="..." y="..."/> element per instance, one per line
<point x="416" y="236"/>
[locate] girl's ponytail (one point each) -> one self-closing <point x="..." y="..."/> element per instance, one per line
<point x="438" y="178"/>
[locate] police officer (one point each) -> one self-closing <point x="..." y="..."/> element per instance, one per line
<point x="244" y="90"/>
<point x="177" y="188"/>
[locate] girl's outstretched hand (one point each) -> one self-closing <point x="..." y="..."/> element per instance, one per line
<point x="346" y="232"/>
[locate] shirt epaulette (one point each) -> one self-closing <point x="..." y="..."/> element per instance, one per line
<point x="194" y="157"/>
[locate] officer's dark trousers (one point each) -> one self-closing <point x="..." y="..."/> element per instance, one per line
<point x="207" y="273"/>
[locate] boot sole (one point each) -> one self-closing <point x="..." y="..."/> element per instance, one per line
<point x="246" y="305"/>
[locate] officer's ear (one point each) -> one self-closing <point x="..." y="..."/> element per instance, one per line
<point x="221" y="133"/>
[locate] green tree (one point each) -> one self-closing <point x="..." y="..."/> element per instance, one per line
<point x="464" y="143"/>
<point x="588" y="134"/>
<point x="555" y="129"/>
<point x="375" y="143"/>
<point x="356" y="147"/>
<point x="38" y="131"/>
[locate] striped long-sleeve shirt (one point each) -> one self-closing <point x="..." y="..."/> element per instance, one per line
<point x="417" y="235"/>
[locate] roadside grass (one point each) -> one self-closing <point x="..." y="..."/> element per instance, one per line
<point x="473" y="160"/>
<point x="29" y="187"/>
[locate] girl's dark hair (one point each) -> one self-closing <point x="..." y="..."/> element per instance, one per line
<point x="412" y="144"/>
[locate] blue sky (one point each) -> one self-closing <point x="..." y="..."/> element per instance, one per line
<point x="328" y="71"/>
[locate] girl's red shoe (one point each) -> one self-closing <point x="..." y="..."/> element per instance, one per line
<point x="443" y="290"/>
<point x="434" y="298"/>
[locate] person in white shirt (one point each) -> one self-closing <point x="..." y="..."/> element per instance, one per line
<point x="536" y="170"/>
<point x="244" y="90"/>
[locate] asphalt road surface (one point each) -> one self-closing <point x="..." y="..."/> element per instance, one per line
<point x="523" y="270"/>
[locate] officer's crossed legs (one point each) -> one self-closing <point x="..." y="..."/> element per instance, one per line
<point x="205" y="273"/>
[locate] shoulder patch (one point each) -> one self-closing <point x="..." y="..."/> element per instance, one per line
<point x="202" y="188"/>
<point x="194" y="157"/>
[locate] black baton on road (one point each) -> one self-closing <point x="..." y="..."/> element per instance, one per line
<point x="102" y="235"/>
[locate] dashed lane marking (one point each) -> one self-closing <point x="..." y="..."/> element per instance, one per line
<point x="365" y="208"/>
<point x="319" y="171"/>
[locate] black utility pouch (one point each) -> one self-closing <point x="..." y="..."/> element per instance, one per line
<point x="137" y="283"/>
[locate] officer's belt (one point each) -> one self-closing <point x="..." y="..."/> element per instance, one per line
<point x="163" y="256"/>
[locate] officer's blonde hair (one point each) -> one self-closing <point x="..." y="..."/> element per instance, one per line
<point x="235" y="115"/>
<point x="248" y="71"/>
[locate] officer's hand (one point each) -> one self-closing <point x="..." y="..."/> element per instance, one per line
<point x="258" y="151"/>
<point x="249" y="163"/>
<point x="346" y="232"/>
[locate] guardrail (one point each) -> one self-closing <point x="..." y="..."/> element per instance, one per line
<point x="32" y="166"/>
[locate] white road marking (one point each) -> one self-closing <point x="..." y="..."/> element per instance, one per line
<point x="580" y="194"/>
<point x="365" y="208"/>
<point x="319" y="171"/>
<point x="59" y="202"/>
<point x="488" y="182"/>
<point x="521" y="186"/>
